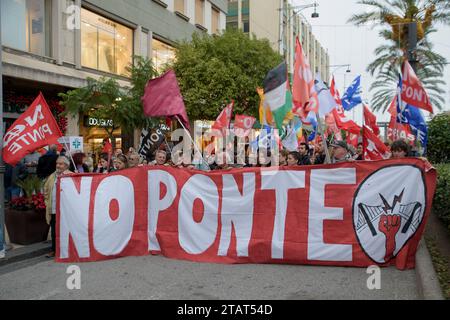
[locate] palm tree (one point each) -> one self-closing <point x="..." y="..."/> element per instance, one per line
<point x="394" y="16"/>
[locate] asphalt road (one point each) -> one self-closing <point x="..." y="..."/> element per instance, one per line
<point x="156" y="277"/>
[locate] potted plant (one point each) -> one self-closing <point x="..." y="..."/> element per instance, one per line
<point x="25" y="217"/>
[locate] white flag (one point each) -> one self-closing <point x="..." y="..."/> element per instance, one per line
<point x="290" y="142"/>
<point x="326" y="100"/>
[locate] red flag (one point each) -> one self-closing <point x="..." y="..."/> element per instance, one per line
<point x="343" y="122"/>
<point x="413" y="91"/>
<point x="243" y="125"/>
<point x="332" y="128"/>
<point x="374" y="148"/>
<point x="330" y="117"/>
<point x="371" y="120"/>
<point x="352" y="139"/>
<point x="397" y="130"/>
<point x="162" y="98"/>
<point x="393" y="106"/>
<point x="335" y="92"/>
<point x="224" y="118"/>
<point x="304" y="95"/>
<point x="169" y="122"/>
<point x="35" y="128"/>
<point x="107" y="146"/>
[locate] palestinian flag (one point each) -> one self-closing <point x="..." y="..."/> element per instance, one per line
<point x="277" y="94"/>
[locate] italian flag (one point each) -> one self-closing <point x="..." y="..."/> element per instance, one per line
<point x="277" y="95"/>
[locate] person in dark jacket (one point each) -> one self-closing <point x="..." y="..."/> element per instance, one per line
<point x="12" y="175"/>
<point x="79" y="160"/>
<point x="319" y="153"/>
<point x="47" y="163"/>
<point x="105" y="164"/>
<point x="303" y="150"/>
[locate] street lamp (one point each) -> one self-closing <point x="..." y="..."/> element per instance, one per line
<point x="314" y="15"/>
<point x="339" y="66"/>
<point x="314" y="5"/>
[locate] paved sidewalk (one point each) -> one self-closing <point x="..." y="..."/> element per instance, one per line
<point x="26" y="252"/>
<point x="156" y="277"/>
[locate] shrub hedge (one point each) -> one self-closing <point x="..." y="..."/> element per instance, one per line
<point x="441" y="202"/>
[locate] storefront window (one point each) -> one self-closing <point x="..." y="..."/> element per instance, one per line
<point x="162" y="54"/>
<point x="105" y="45"/>
<point x="26" y="25"/>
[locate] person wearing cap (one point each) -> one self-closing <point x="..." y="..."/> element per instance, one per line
<point x="341" y="152"/>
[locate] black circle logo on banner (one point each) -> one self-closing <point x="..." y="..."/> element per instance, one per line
<point x="388" y="209"/>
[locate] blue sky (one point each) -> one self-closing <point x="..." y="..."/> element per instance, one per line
<point x="348" y="44"/>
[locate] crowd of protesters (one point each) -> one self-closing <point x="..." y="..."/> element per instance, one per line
<point x="43" y="165"/>
<point x="50" y="165"/>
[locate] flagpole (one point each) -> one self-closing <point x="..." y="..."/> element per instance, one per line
<point x="319" y="128"/>
<point x="400" y="105"/>
<point x="70" y="156"/>
<point x="190" y="138"/>
<point x="2" y="165"/>
<point x="363" y="143"/>
<point x="167" y="144"/>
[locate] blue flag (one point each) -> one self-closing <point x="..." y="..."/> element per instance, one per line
<point x="266" y="139"/>
<point x="313" y="120"/>
<point x="352" y="96"/>
<point x="408" y="114"/>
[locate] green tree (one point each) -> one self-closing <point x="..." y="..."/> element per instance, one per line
<point x="105" y="99"/>
<point x="439" y="139"/>
<point x="141" y="72"/>
<point x="213" y="70"/>
<point x="393" y="16"/>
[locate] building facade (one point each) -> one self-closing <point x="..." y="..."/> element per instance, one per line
<point x="53" y="46"/>
<point x="277" y="21"/>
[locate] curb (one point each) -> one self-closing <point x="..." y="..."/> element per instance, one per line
<point x="28" y="252"/>
<point x="427" y="280"/>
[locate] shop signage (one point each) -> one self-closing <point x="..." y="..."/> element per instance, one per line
<point x="72" y="144"/>
<point x="96" y="122"/>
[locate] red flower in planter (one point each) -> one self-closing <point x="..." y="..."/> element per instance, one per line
<point x="20" y="203"/>
<point x="38" y="201"/>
